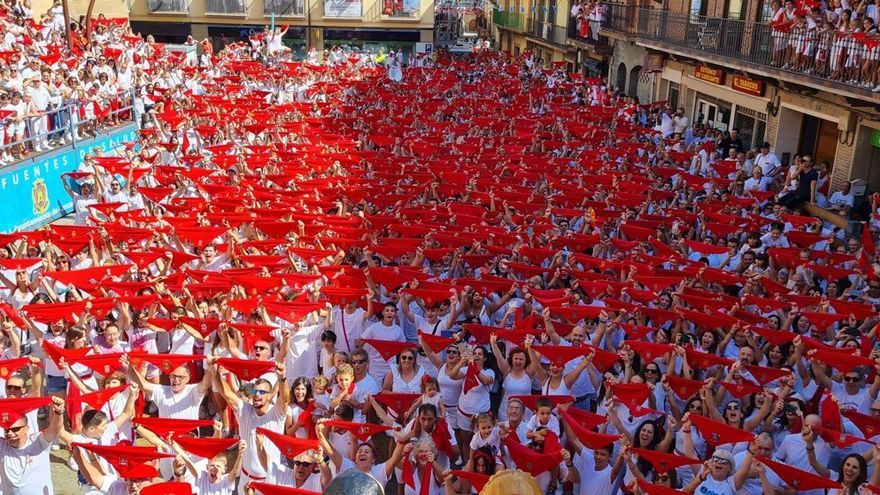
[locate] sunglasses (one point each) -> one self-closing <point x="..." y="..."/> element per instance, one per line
<point x="407" y="358"/>
<point x="358" y="361"/>
<point x="260" y="348"/>
<point x="720" y="460"/>
<point x="15" y="388"/>
<point x="651" y="370"/>
<point x="302" y="463"/>
<point x="258" y="391"/>
<point x="851" y="379"/>
<point x="452" y="351"/>
<point x="15" y="429"/>
<point x="733" y="407"/>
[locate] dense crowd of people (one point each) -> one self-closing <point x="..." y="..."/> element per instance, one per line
<point x="431" y="274"/>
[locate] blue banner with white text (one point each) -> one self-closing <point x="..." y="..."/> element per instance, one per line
<point x="32" y="192"/>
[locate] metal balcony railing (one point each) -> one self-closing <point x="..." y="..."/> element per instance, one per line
<point x="509" y="20"/>
<point x="284" y="8"/>
<point x="820" y="55"/>
<point x="225" y="7"/>
<point x="169" y="6"/>
<point x="547" y="31"/>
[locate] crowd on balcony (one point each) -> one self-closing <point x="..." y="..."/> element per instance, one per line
<point x="837" y="40"/>
<point x="55" y="88"/>
<point x="432" y="274"/>
<point x="587" y="16"/>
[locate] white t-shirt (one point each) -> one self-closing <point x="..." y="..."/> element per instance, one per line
<point x="476" y="400"/>
<point x="223" y="486"/>
<point x="283" y="475"/>
<point x="378" y="331"/>
<point x="248" y="422"/>
<point x="184" y="405"/>
<point x="592" y="482"/>
<point x="26" y="470"/>
<point x="714" y="487"/>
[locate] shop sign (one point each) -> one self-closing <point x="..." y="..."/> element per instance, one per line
<point x="748" y="86"/>
<point x="708" y="74"/>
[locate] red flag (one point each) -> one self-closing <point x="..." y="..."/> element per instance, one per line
<point x="11" y="410"/>
<point x="798" y="479"/>
<point x="246" y="369"/>
<point x="633" y="395"/>
<point x="388" y="348"/>
<point x="477" y="480"/>
<point x="559" y="354"/>
<point x="207" y="448"/>
<point x="838" y="438"/>
<point x="123" y="457"/>
<point x="533" y="462"/>
<point x="10" y="366"/>
<point x="868" y="425"/>
<point x="363" y="431"/>
<point x="664" y="462"/>
<point x="165" y="426"/>
<point x="165" y="362"/>
<point x="716" y="433"/>
<point x="97" y="400"/>
<point x="684" y="388"/>
<point x="471" y="378"/>
<point x="397" y="404"/>
<point x="590" y="439"/>
<point x="290" y="447"/>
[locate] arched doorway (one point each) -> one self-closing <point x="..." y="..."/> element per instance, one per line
<point x="620" y="83"/>
<point x="633" y="89"/>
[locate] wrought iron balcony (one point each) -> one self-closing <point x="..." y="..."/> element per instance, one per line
<point x="284" y="8"/>
<point x="510" y="20"/>
<point x="547" y="31"/>
<point x="226" y="7"/>
<point x="779" y="51"/>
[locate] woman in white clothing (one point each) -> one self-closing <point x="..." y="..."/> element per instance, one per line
<point x="474" y="399"/>
<point x="517" y="380"/>
<point x="406" y="376"/>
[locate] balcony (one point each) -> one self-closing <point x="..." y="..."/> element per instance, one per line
<point x="283" y="8"/>
<point x="234" y="7"/>
<point x="509" y="20"/>
<point x="547" y="31"/>
<point x="168" y="6"/>
<point x="747" y="46"/>
<point x="590" y="36"/>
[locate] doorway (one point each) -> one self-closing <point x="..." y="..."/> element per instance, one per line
<point x="620" y="81"/>
<point x="712" y="114"/>
<point x="818" y="139"/>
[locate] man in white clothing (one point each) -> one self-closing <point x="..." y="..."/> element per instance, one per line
<point x="180" y="400"/>
<point x="24" y="455"/>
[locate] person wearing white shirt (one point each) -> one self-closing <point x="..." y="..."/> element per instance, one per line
<point x="768" y="161"/>
<point x="751" y="478"/>
<point x="180" y="400"/>
<point x="757" y="182"/>
<point x="24" y="455"/>
<point x="842" y="200"/>
<point x="259" y="413"/>
<point x="387" y="330"/>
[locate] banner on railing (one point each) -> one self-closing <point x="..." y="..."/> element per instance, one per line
<point x="33" y="192"/>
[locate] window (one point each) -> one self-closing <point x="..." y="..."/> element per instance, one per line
<point x="672" y="95"/>
<point x="733" y="9"/>
<point x="699" y="8"/>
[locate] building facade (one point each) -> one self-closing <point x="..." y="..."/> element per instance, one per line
<point x="366" y="24"/>
<point x="550" y="29"/>
<point x="730" y="67"/>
